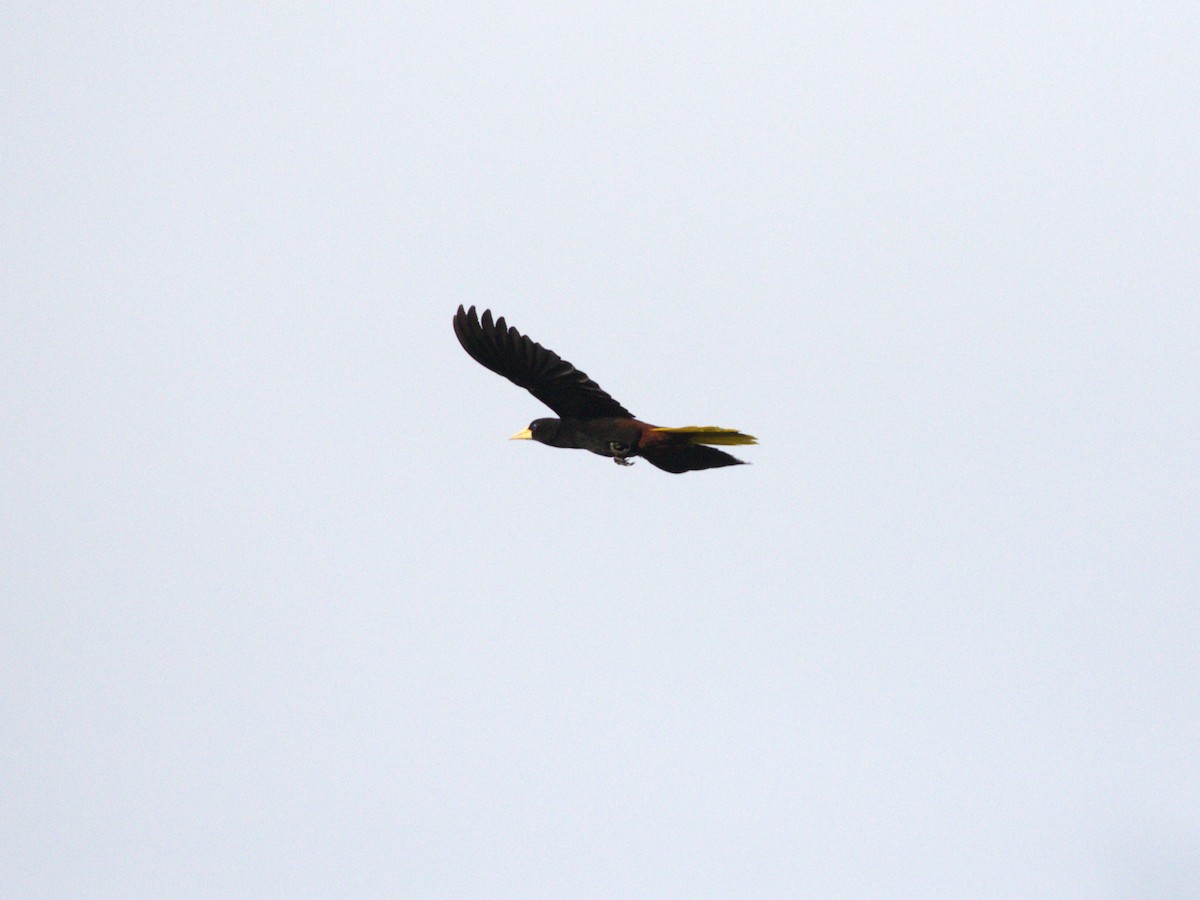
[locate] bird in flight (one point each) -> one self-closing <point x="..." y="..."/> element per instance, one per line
<point x="588" y="418"/>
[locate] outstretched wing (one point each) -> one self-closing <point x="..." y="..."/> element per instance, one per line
<point x="546" y="375"/>
<point x="688" y="458"/>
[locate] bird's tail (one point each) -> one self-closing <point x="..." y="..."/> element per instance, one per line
<point x="710" y="434"/>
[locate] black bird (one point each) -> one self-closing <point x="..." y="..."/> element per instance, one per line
<point x="588" y="418"/>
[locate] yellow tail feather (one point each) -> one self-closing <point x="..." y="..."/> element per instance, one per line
<point x="710" y="434"/>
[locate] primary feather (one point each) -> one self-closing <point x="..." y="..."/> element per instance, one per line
<point x="545" y="374"/>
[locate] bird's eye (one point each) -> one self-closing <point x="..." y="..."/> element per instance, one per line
<point x="534" y="426"/>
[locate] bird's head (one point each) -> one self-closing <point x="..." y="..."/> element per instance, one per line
<point x="544" y="431"/>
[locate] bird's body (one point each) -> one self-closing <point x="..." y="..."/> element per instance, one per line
<point x="589" y="419"/>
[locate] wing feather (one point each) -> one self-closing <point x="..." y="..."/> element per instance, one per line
<point x="688" y="458"/>
<point x="545" y="374"/>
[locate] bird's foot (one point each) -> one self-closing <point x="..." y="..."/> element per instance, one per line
<point x="618" y="451"/>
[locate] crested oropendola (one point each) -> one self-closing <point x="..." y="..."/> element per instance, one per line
<point x="588" y="418"/>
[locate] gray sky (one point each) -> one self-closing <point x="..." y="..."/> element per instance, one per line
<point x="283" y="612"/>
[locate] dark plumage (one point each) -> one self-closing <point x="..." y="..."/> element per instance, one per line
<point x="588" y="418"/>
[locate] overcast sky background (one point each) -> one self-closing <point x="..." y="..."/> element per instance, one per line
<point x="284" y="614"/>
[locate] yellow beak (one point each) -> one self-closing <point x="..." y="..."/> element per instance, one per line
<point x="525" y="435"/>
